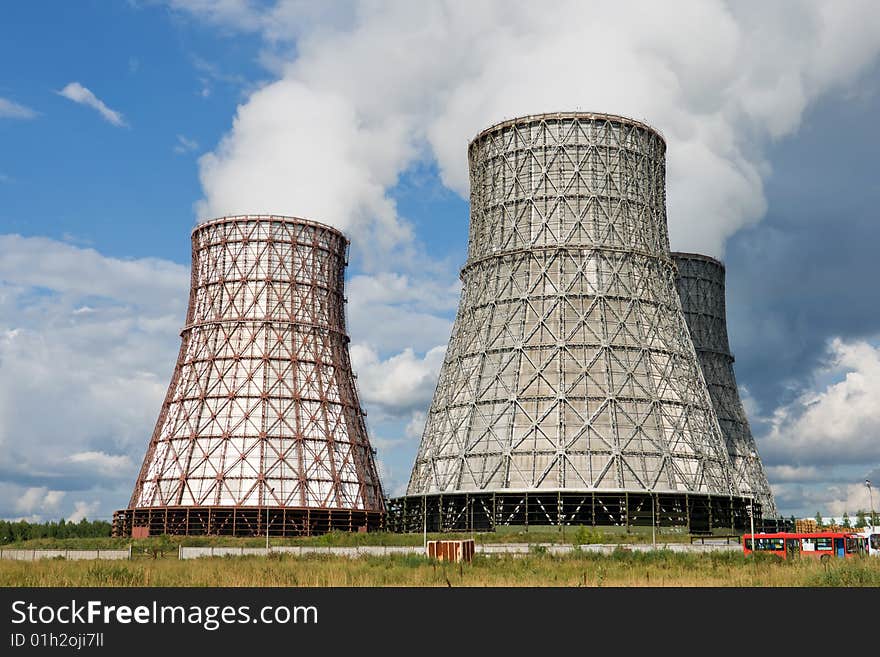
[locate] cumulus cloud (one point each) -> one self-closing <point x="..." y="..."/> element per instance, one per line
<point x="785" y="473"/>
<point x="84" y="510"/>
<point x="849" y="498"/>
<point x="104" y="464"/>
<point x="79" y="94"/>
<point x="416" y="425"/>
<point x="12" y="110"/>
<point x="399" y="385"/>
<point x="87" y="344"/>
<point x="38" y="262"/>
<point x="389" y="310"/>
<point x="834" y="498"/>
<point x="38" y="498"/>
<point x="820" y="447"/>
<point x="835" y="421"/>
<point x="364" y="95"/>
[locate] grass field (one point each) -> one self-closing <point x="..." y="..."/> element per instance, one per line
<point x="661" y="568"/>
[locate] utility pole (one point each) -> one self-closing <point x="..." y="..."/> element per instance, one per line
<point x="752" y="519"/>
<point x="271" y="492"/>
<point x="653" y="521"/>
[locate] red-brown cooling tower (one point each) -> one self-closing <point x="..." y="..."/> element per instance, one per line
<point x="261" y="429"/>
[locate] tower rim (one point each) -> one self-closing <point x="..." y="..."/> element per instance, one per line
<point x="592" y="116"/>
<point x="687" y="255"/>
<point x="288" y="219"/>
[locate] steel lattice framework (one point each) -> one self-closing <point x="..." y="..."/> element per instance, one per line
<point x="262" y="416"/>
<point x="570" y="367"/>
<point x="701" y="286"/>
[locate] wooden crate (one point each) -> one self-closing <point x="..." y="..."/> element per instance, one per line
<point x="454" y="551"/>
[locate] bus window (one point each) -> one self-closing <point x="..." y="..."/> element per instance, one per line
<point x="854" y="545"/>
<point x="823" y="544"/>
<point x="768" y="544"/>
<point x="875" y="541"/>
<point x="808" y="545"/>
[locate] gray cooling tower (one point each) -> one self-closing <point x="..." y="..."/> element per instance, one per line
<point x="701" y="288"/>
<point x="570" y="375"/>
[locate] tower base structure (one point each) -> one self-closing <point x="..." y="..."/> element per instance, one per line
<point x="279" y="522"/>
<point x="693" y="513"/>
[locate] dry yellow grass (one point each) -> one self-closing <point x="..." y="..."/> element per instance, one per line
<point x="620" y="569"/>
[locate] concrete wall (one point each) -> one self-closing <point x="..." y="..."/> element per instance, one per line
<point x="500" y="548"/>
<point x="73" y="555"/>
<point x="371" y="550"/>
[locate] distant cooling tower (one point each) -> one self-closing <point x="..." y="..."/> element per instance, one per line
<point x="570" y="391"/>
<point x="701" y="288"/>
<point x="261" y="429"/>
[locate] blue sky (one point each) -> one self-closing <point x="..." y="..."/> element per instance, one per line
<point x="359" y="115"/>
<point x="122" y="191"/>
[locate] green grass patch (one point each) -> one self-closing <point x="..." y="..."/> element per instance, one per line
<point x="538" y="568"/>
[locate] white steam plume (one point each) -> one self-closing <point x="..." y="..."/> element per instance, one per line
<point x="374" y="87"/>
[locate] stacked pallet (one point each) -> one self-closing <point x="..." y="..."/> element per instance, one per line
<point x="806" y="526"/>
<point x="455" y="551"/>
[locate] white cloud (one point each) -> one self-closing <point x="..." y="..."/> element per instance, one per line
<point x="835" y="421"/>
<point x="849" y="498"/>
<point x="416" y="425"/>
<point x="104" y="464"/>
<point x="387" y="310"/>
<point x="819" y="448"/>
<point x="185" y="145"/>
<point x="38" y="498"/>
<point x="67" y="269"/>
<point x="84" y="510"/>
<point x="12" y="110"/>
<point x="87" y="344"/>
<point x="399" y="385"/>
<point x="787" y="473"/>
<point x="79" y="94"/>
<point x="830" y="499"/>
<point x="750" y="404"/>
<point x="366" y="94"/>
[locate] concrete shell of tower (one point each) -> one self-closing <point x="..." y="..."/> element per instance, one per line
<point x="570" y="367"/>
<point x="701" y="286"/>
<point x="261" y="429"/>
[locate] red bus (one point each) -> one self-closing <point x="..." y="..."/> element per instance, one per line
<point x="815" y="545"/>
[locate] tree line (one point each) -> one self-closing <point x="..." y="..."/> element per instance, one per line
<point x="861" y="521"/>
<point x="21" y="530"/>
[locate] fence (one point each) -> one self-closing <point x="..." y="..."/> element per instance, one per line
<point x="72" y="555"/>
<point x="364" y="550"/>
<point x="489" y="549"/>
